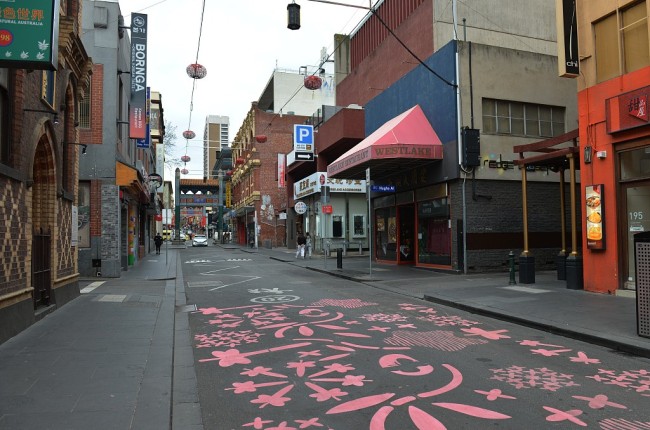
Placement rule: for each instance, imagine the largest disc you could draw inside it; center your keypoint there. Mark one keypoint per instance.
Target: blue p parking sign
(303, 137)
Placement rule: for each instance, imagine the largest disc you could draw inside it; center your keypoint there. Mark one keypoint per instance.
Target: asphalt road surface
(280, 347)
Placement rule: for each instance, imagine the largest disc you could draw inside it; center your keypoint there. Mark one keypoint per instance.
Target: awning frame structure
(554, 158)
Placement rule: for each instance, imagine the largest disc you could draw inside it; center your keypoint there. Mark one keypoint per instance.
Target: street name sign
(383, 188)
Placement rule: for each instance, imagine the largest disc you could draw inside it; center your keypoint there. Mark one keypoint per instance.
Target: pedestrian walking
(300, 249)
(308, 245)
(158, 240)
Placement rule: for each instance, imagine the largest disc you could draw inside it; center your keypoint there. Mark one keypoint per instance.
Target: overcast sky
(241, 43)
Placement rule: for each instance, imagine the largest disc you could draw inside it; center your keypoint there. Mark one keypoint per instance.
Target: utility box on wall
(471, 139)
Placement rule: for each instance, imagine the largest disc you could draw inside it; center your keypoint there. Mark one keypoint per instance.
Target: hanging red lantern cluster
(196, 71)
(185, 158)
(185, 171)
(189, 134)
(313, 82)
(260, 138)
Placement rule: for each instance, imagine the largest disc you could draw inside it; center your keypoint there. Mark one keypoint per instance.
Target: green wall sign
(29, 34)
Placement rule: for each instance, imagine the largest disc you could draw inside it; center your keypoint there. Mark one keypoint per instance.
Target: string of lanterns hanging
(196, 71)
(313, 82)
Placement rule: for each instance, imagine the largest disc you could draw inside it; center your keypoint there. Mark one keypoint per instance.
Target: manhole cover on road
(204, 284)
(281, 298)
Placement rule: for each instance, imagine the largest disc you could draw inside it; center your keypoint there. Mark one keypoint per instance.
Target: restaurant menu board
(595, 217)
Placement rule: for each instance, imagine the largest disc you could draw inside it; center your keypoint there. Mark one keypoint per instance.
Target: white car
(200, 240)
(183, 237)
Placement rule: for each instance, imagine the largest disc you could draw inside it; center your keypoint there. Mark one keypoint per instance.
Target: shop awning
(403, 143)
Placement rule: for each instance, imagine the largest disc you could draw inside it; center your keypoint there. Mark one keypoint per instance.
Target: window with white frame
(522, 119)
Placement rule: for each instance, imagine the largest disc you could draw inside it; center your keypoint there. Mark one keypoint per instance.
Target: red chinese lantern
(196, 71)
(260, 138)
(189, 134)
(240, 161)
(185, 171)
(313, 82)
(185, 158)
(228, 172)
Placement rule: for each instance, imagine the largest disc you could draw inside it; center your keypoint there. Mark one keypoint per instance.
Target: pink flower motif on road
(323, 395)
(549, 353)
(283, 426)
(258, 423)
(537, 343)
(309, 423)
(209, 311)
(276, 399)
(492, 335)
(381, 329)
(357, 381)
(228, 358)
(582, 358)
(494, 394)
(259, 370)
(599, 402)
(559, 415)
(301, 366)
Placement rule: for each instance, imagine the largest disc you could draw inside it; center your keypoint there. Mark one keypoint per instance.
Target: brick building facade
(38, 180)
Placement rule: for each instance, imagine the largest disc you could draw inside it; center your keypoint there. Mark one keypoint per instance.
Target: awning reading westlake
(405, 142)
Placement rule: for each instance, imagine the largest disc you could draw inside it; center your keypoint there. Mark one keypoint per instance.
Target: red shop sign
(327, 209)
(629, 110)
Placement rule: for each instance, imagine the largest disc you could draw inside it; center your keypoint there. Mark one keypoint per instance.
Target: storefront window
(434, 234)
(635, 164)
(386, 234)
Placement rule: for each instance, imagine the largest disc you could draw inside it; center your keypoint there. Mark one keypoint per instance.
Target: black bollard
(511, 257)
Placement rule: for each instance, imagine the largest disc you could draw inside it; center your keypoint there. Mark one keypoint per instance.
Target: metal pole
(369, 222)
(177, 205)
(255, 225)
(220, 207)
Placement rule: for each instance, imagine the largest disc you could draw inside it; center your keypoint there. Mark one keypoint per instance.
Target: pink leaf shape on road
(473, 411)
(362, 403)
(424, 421)
(378, 421)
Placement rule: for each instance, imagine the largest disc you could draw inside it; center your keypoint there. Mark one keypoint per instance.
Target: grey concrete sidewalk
(106, 360)
(606, 320)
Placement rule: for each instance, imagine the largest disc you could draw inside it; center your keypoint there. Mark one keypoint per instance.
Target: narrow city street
(277, 346)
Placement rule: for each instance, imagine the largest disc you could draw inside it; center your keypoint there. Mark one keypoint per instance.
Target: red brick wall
(416, 31)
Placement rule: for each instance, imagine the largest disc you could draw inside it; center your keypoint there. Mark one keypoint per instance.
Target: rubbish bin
(339, 258)
(642, 279)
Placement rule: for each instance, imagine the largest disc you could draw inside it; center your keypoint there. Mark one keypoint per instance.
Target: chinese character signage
(29, 34)
(595, 217)
(137, 109)
(629, 110)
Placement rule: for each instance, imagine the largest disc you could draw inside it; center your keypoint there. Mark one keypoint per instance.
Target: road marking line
(235, 283)
(91, 287)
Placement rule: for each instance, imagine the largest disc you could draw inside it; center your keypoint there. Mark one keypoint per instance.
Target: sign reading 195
(636, 216)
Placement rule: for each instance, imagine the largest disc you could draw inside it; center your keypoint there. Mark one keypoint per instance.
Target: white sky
(242, 42)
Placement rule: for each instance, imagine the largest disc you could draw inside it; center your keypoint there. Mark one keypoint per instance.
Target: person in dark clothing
(301, 241)
(158, 240)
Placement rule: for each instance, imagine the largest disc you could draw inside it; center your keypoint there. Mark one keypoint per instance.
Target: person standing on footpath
(158, 240)
(308, 245)
(301, 241)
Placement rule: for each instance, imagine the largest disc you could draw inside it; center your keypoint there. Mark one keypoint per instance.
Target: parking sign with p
(303, 137)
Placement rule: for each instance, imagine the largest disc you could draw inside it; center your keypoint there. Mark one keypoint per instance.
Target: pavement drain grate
(186, 308)
(527, 290)
(114, 298)
(204, 284)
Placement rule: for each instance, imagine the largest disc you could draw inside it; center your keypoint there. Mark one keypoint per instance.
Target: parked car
(183, 237)
(200, 240)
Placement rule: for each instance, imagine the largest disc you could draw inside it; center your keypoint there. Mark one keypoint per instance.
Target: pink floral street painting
(351, 364)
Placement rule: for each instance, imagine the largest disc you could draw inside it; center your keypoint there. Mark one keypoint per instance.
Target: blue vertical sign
(144, 143)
